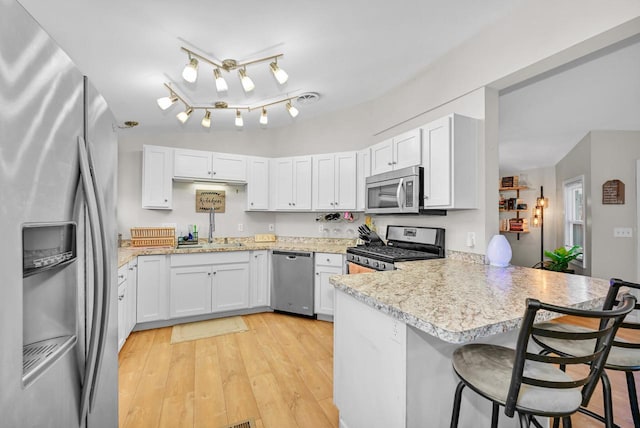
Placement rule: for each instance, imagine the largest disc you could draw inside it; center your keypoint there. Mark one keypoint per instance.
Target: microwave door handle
(399, 191)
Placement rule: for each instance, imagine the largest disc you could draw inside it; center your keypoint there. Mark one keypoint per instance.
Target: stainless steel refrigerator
(58, 311)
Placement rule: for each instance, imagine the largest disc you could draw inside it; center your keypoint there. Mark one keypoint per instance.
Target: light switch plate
(622, 232)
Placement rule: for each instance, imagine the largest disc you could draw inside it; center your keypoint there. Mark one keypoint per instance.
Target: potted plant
(560, 258)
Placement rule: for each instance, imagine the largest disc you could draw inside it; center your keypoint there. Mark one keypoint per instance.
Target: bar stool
(624, 355)
(531, 384)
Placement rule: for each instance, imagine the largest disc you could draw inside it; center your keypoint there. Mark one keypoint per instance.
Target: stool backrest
(627, 325)
(610, 320)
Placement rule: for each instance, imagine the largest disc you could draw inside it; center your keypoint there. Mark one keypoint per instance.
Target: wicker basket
(153, 237)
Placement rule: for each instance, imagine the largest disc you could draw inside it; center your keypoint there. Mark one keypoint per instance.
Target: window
(574, 221)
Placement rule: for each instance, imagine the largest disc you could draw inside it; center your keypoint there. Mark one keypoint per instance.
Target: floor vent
(249, 423)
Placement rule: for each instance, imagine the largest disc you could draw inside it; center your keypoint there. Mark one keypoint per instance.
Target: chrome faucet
(212, 223)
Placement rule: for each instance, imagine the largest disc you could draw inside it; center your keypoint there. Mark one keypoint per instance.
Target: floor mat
(209, 328)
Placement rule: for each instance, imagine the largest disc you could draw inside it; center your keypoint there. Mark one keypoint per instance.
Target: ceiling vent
(308, 98)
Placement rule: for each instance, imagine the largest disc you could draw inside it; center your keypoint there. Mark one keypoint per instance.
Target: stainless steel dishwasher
(293, 282)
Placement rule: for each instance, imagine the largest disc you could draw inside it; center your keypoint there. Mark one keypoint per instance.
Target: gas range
(404, 243)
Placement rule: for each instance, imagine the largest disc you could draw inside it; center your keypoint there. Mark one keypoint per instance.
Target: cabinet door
(257, 184)
(437, 163)
(229, 167)
(132, 293)
(157, 170)
(259, 279)
(283, 183)
(302, 183)
(382, 157)
(324, 182)
(152, 289)
(230, 289)
(192, 164)
(345, 181)
(122, 303)
(190, 291)
(364, 170)
(407, 149)
(324, 290)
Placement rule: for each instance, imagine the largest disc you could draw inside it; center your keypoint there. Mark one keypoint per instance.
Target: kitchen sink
(212, 245)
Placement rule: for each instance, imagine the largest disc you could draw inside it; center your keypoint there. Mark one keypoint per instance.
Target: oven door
(398, 195)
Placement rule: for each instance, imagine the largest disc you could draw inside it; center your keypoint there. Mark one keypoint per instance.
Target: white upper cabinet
(291, 184)
(398, 152)
(210, 166)
(450, 163)
(157, 168)
(363, 171)
(257, 184)
(334, 181)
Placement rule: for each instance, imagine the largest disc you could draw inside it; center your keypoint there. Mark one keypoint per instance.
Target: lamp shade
(499, 251)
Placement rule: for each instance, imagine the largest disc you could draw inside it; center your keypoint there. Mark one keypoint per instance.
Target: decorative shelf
(506, 189)
(512, 211)
(516, 189)
(514, 231)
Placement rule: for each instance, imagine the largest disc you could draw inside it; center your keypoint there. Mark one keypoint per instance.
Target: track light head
(166, 102)
(206, 120)
(263, 117)
(221, 84)
(293, 112)
(247, 83)
(239, 121)
(183, 116)
(280, 75)
(190, 72)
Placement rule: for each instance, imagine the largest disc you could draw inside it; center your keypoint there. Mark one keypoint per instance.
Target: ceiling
(346, 51)
(543, 119)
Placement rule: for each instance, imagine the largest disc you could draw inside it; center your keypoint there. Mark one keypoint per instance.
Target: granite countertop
(316, 245)
(458, 301)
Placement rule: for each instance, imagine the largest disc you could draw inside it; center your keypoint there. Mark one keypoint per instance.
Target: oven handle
(398, 191)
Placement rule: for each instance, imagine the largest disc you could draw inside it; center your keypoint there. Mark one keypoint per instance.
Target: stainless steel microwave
(395, 192)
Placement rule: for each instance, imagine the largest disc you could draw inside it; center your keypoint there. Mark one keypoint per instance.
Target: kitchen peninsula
(395, 331)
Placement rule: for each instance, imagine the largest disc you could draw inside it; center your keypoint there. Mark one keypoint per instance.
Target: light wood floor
(278, 373)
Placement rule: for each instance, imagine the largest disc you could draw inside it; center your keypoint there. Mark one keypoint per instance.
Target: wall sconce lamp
(538, 220)
(190, 72)
(165, 102)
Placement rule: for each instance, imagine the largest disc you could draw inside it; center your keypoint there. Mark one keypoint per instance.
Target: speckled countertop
(316, 245)
(458, 301)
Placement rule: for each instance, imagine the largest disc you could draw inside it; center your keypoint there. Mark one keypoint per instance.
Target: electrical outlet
(240, 227)
(271, 228)
(321, 229)
(471, 239)
(622, 232)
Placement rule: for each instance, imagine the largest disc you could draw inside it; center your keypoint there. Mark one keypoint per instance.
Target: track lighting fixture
(247, 83)
(190, 72)
(293, 112)
(280, 75)
(183, 116)
(263, 117)
(166, 102)
(239, 121)
(221, 84)
(206, 120)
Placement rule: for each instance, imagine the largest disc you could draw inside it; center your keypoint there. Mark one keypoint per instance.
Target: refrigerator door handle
(98, 271)
(106, 280)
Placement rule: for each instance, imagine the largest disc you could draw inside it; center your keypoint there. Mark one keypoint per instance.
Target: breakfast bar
(395, 332)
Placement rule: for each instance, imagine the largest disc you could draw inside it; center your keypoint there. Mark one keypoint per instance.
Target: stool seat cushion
(618, 359)
(487, 370)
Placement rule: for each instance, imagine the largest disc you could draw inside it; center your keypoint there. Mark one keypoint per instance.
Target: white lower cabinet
(259, 279)
(190, 291)
(132, 296)
(326, 265)
(208, 282)
(153, 293)
(122, 295)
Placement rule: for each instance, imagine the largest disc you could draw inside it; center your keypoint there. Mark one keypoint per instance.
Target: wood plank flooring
(279, 373)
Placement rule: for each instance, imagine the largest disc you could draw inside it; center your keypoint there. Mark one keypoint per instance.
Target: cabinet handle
(120, 297)
(389, 163)
(293, 203)
(214, 173)
(209, 172)
(328, 260)
(251, 203)
(166, 200)
(317, 273)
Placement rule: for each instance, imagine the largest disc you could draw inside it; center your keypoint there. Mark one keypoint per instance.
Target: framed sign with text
(613, 192)
(206, 199)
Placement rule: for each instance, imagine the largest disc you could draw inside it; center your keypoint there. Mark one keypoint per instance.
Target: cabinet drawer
(329, 259)
(209, 258)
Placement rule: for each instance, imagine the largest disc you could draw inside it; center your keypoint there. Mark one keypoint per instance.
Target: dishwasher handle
(292, 255)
